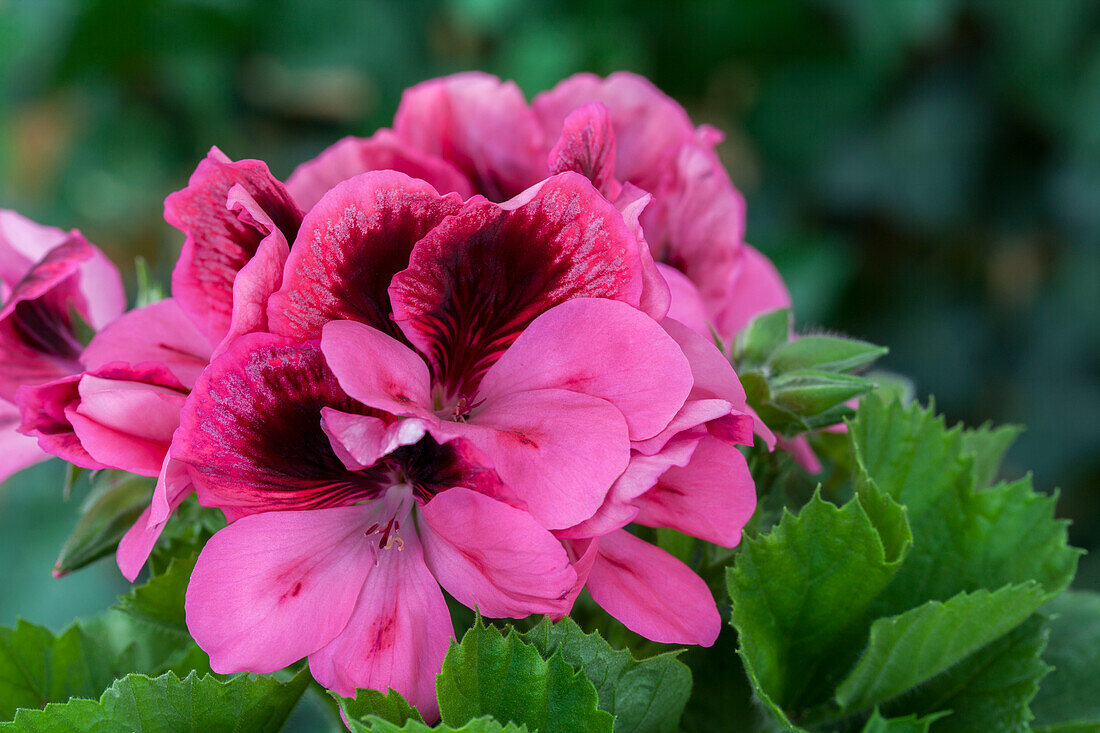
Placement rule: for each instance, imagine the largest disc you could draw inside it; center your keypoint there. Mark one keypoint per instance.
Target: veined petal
(480, 124)
(494, 557)
(646, 122)
(158, 333)
(397, 635)
(251, 430)
(272, 588)
(383, 150)
(220, 240)
(587, 146)
(558, 451)
(481, 276)
(601, 348)
(652, 592)
(349, 248)
(22, 243)
(711, 498)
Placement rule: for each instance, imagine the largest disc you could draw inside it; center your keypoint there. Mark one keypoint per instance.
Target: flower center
(393, 508)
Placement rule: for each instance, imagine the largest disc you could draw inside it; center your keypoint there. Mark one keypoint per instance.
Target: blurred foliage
(926, 173)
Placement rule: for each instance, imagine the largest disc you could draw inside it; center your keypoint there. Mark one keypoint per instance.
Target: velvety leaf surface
(647, 695)
(908, 724)
(390, 707)
(115, 502)
(1069, 698)
(800, 593)
(503, 676)
(140, 704)
(913, 647)
(965, 538)
(989, 690)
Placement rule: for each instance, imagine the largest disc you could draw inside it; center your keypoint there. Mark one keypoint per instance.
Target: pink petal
(601, 348)
(656, 296)
(687, 305)
(173, 486)
(558, 451)
(350, 246)
(126, 415)
(272, 588)
(159, 333)
(16, 451)
(803, 454)
(697, 223)
(711, 498)
(22, 243)
(480, 124)
(480, 277)
(219, 240)
(360, 441)
(494, 557)
(758, 288)
(713, 375)
(381, 151)
(652, 593)
(646, 122)
(587, 146)
(377, 370)
(38, 341)
(44, 409)
(397, 635)
(251, 430)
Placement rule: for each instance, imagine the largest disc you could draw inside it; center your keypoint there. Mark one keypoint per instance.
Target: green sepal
(115, 502)
(824, 353)
(763, 335)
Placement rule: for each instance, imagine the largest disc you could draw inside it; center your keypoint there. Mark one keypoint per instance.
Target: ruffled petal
(251, 430)
(481, 276)
(652, 593)
(587, 146)
(383, 150)
(494, 557)
(480, 124)
(351, 244)
(220, 241)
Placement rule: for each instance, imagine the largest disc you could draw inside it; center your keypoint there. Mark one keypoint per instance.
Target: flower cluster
(463, 354)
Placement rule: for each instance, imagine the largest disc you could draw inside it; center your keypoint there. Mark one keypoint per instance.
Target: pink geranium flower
(47, 277)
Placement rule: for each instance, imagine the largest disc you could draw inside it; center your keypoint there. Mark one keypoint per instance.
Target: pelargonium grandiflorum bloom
(47, 279)
(467, 353)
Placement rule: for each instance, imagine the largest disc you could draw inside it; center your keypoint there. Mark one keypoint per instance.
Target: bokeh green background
(926, 173)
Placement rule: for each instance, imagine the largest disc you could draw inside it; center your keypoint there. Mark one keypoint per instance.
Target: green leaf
(991, 689)
(913, 647)
(800, 594)
(826, 353)
(647, 695)
(140, 704)
(987, 446)
(814, 394)
(484, 724)
(1069, 698)
(391, 707)
(160, 601)
(490, 673)
(964, 538)
(908, 724)
(116, 501)
(760, 338)
(37, 667)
